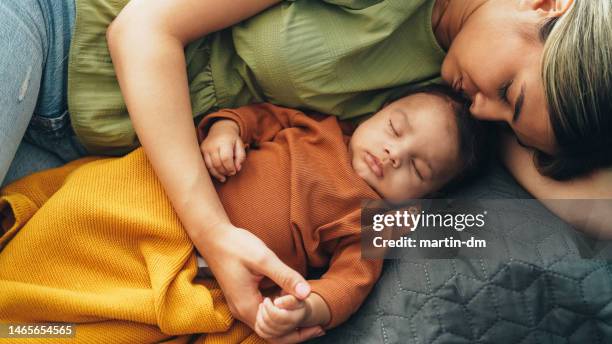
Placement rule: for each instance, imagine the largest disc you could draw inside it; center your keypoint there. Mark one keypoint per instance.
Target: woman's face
(495, 59)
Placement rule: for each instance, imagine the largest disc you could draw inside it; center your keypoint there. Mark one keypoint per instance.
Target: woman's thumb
(288, 279)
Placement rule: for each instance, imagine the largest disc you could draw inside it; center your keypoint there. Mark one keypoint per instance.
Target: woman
(495, 52)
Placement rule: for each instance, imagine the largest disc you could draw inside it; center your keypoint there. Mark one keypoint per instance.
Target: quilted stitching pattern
(542, 292)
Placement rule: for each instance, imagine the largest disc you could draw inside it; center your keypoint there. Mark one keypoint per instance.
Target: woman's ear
(549, 8)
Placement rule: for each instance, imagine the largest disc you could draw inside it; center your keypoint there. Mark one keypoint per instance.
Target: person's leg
(49, 127)
(30, 158)
(49, 135)
(23, 38)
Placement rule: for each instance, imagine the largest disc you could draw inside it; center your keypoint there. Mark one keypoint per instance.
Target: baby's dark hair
(472, 134)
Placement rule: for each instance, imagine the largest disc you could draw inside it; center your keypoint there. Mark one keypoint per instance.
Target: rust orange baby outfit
(298, 192)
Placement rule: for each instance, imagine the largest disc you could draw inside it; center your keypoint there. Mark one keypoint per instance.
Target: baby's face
(409, 148)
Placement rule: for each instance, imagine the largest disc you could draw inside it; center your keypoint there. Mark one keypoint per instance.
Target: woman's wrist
(208, 235)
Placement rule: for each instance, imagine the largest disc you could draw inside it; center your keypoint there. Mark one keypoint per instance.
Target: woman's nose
(487, 109)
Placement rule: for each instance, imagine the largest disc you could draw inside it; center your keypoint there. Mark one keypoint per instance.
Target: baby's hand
(281, 317)
(223, 150)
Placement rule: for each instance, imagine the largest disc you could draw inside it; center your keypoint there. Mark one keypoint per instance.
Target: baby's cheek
(401, 186)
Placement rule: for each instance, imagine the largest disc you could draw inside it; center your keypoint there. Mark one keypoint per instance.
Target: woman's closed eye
(502, 92)
(522, 144)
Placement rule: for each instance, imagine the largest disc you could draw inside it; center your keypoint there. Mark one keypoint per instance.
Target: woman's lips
(374, 164)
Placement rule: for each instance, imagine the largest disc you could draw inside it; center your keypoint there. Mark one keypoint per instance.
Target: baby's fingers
(282, 318)
(264, 326)
(288, 302)
(226, 155)
(261, 328)
(239, 154)
(211, 168)
(215, 157)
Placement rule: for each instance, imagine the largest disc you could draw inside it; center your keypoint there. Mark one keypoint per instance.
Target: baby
(128, 269)
(300, 190)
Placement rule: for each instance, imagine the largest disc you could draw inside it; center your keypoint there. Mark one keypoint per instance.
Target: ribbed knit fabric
(97, 242)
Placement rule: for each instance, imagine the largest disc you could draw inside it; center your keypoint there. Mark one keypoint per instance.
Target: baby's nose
(393, 159)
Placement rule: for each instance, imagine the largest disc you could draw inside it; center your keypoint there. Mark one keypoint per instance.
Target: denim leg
(23, 38)
(50, 127)
(40, 30)
(59, 18)
(29, 159)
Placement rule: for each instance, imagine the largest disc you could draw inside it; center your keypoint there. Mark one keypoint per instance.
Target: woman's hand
(239, 261)
(223, 150)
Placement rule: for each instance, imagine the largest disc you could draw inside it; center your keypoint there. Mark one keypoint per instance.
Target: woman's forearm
(147, 42)
(151, 72)
(584, 202)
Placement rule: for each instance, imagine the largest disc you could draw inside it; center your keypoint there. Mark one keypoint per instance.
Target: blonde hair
(577, 76)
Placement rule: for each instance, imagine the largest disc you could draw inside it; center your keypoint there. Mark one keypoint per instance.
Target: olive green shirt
(340, 57)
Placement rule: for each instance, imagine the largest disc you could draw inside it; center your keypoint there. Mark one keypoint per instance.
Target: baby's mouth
(374, 164)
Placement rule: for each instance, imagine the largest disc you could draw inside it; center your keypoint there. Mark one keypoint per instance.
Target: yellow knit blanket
(96, 243)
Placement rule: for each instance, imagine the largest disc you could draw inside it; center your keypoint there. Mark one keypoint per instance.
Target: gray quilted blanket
(540, 291)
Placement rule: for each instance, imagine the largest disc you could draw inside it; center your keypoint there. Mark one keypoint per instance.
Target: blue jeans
(35, 131)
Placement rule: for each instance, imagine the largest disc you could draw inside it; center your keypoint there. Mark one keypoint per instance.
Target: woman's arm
(147, 42)
(589, 198)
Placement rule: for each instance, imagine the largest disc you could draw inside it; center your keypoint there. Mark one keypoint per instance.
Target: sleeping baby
(97, 243)
(302, 185)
